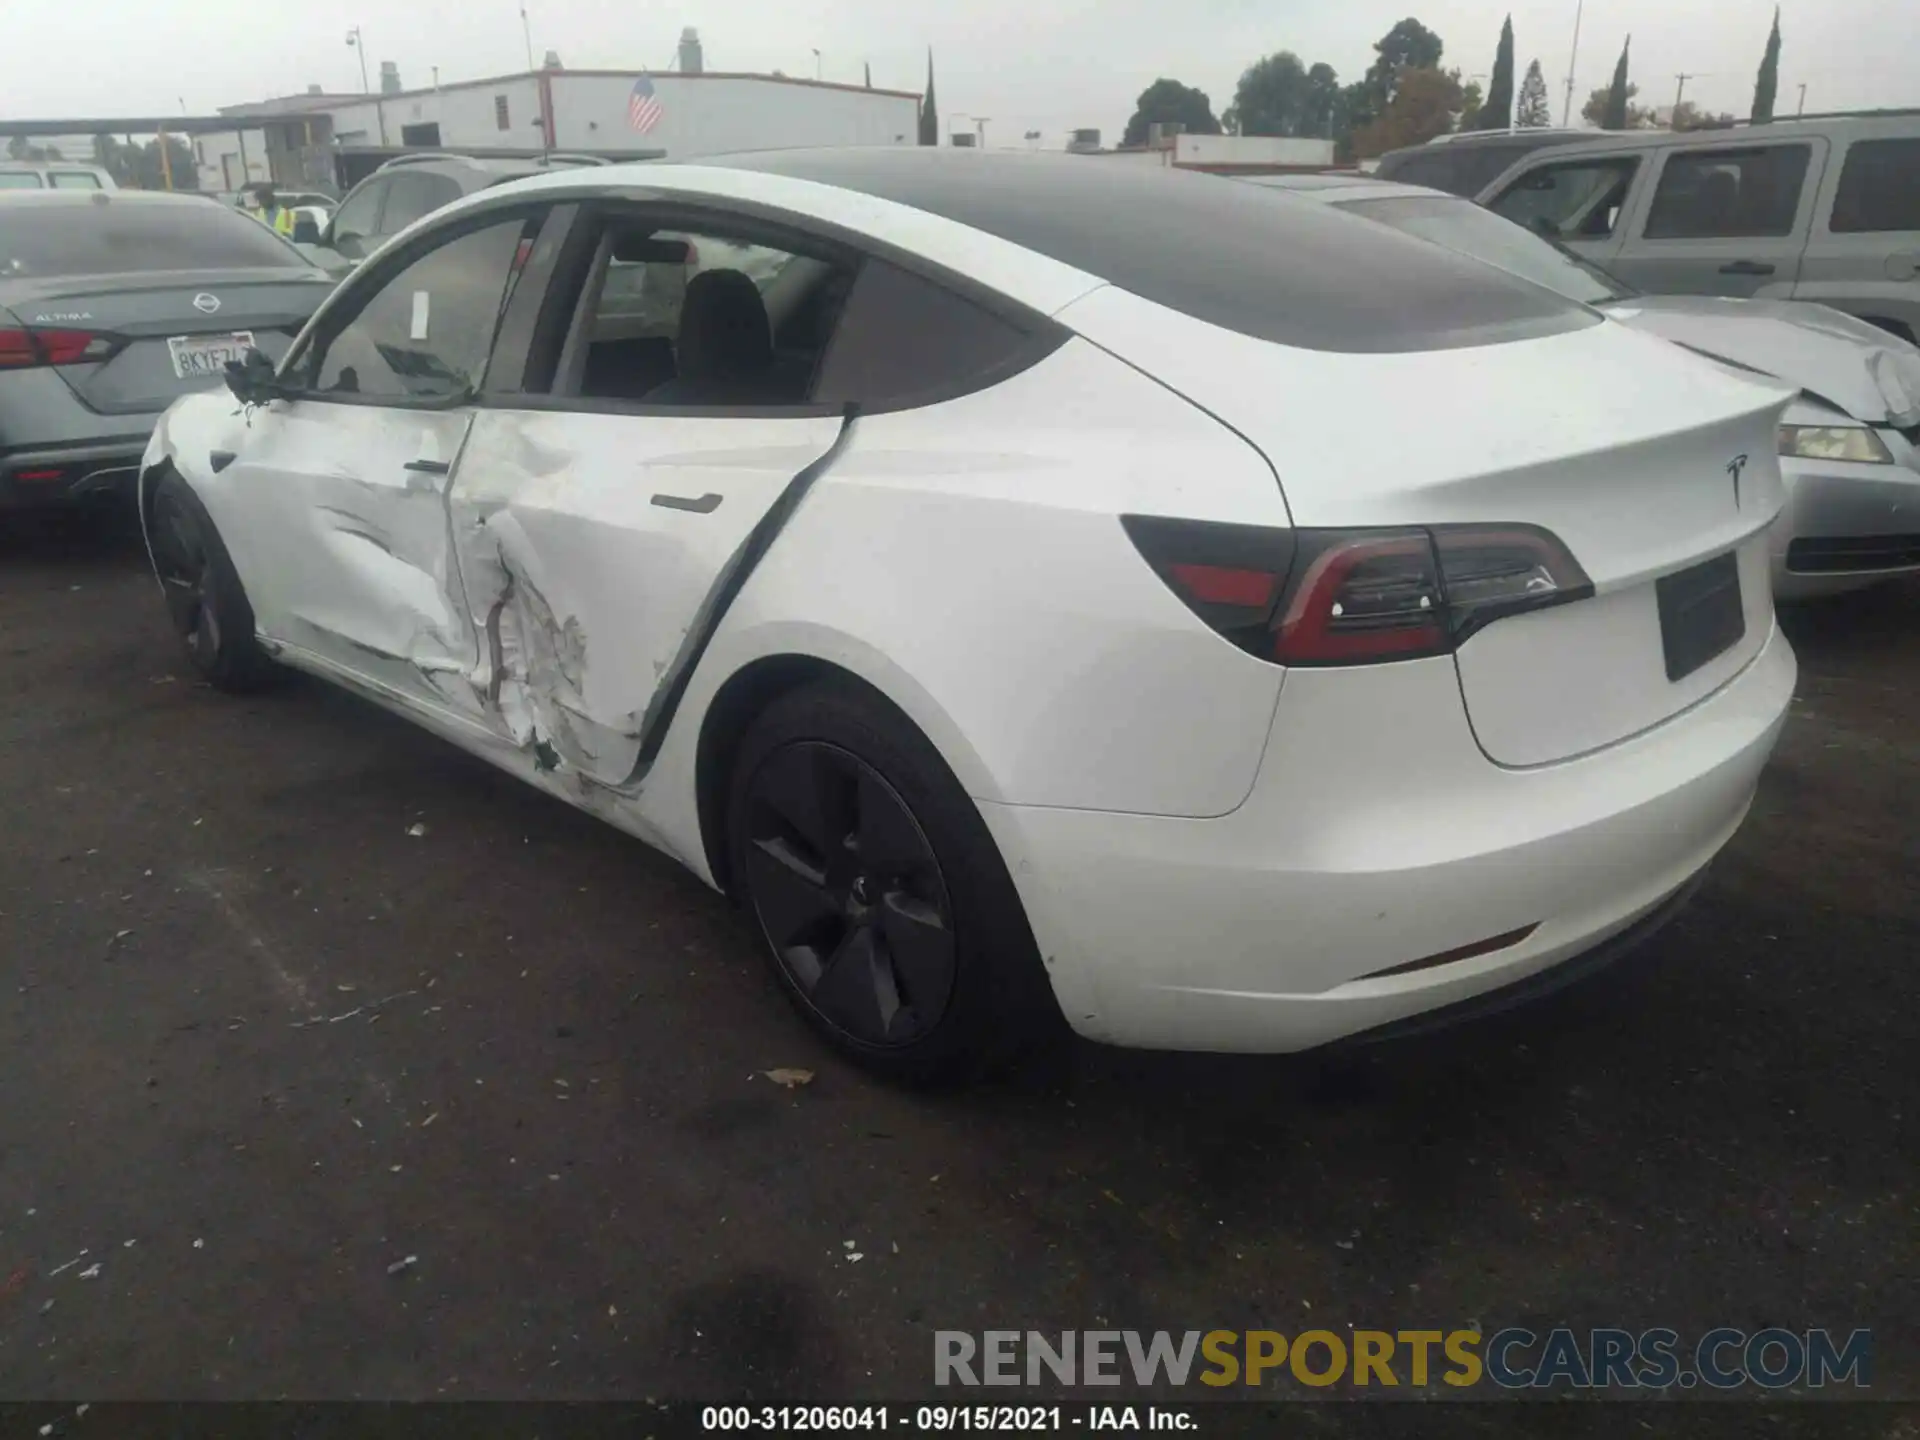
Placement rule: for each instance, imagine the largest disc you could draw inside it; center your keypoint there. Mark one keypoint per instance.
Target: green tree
(1768, 84)
(21, 148)
(1688, 116)
(1281, 96)
(1169, 102)
(1471, 104)
(929, 115)
(1594, 112)
(1408, 45)
(1425, 103)
(1616, 116)
(1497, 112)
(1536, 111)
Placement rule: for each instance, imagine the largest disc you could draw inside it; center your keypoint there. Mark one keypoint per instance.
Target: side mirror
(305, 232)
(252, 380)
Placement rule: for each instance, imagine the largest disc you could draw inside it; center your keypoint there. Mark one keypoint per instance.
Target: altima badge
(206, 304)
(1734, 467)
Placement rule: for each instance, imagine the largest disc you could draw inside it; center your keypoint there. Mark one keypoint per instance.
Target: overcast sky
(1046, 65)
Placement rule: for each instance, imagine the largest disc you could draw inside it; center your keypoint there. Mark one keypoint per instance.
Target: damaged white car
(1032, 589)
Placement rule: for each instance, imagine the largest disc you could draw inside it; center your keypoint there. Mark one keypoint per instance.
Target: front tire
(879, 896)
(205, 601)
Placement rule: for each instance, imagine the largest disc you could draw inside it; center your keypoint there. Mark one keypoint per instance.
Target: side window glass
(412, 196)
(74, 180)
(677, 318)
(426, 332)
(903, 340)
(361, 211)
(1879, 188)
(1576, 200)
(1711, 194)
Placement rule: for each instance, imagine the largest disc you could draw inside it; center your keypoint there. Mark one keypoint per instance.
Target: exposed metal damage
(591, 700)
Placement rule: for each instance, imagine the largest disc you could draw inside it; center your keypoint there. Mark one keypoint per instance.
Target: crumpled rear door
(596, 550)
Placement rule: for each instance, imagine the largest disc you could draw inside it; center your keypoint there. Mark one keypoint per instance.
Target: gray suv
(1462, 164)
(1824, 209)
(405, 189)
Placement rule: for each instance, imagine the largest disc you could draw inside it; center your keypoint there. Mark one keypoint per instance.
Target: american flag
(643, 106)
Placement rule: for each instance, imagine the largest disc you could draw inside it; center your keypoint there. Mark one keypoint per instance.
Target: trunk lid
(1643, 460)
(144, 312)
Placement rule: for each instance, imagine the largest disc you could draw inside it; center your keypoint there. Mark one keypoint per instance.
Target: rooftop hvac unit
(691, 60)
(1084, 142)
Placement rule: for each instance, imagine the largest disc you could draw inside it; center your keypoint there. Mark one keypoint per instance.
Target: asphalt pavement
(335, 1063)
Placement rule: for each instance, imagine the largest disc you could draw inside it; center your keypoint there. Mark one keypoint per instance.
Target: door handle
(429, 467)
(1746, 267)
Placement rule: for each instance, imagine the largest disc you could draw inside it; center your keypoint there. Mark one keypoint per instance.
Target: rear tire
(877, 892)
(205, 602)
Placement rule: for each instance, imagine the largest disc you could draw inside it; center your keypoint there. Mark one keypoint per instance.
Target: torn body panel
(589, 585)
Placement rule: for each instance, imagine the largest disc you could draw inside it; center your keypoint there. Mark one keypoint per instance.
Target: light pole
(526, 33)
(1566, 112)
(816, 64)
(1678, 91)
(1803, 101)
(359, 43)
(355, 43)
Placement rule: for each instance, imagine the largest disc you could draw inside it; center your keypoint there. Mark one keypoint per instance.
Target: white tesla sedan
(1033, 588)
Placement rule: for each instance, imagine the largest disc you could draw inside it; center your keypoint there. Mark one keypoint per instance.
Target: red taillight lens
(1364, 596)
(1355, 597)
(23, 349)
(17, 350)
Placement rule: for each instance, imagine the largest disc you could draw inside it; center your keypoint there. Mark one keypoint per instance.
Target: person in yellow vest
(270, 212)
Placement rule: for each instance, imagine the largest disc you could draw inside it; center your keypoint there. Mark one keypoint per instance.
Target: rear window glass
(112, 237)
(1713, 194)
(1879, 188)
(1243, 257)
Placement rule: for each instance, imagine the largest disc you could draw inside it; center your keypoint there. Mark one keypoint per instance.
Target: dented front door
(346, 548)
(595, 550)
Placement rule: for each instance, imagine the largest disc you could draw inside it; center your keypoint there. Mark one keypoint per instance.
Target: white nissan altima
(1033, 588)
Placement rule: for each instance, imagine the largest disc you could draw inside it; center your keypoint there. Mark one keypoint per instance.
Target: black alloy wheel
(849, 893)
(180, 556)
(205, 601)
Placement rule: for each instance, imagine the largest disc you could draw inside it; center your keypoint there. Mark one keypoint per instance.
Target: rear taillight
(24, 349)
(1356, 597)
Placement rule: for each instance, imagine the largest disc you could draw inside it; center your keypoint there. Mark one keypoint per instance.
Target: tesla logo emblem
(1734, 467)
(206, 304)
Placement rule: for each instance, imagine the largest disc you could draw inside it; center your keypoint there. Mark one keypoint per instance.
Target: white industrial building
(331, 141)
(1217, 154)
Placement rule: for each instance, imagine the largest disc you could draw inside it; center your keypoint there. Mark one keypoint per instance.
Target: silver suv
(1822, 208)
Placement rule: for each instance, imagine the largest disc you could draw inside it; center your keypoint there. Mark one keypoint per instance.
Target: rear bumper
(1378, 836)
(1847, 525)
(54, 476)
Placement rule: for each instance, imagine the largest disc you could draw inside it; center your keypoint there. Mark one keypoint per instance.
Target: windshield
(1463, 226)
(112, 237)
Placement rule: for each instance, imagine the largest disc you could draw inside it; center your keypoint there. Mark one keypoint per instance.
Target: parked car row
(1825, 209)
(762, 508)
